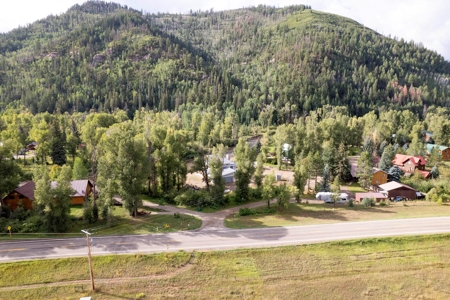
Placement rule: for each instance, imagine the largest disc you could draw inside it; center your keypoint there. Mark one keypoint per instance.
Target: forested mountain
(265, 64)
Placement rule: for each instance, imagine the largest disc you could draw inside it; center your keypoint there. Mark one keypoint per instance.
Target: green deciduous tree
(259, 170)
(325, 184)
(300, 178)
(269, 189)
(79, 170)
(245, 157)
(125, 162)
(54, 199)
(283, 196)
(364, 171)
(216, 168)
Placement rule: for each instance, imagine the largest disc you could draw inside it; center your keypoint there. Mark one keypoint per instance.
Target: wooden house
(409, 163)
(25, 194)
(443, 150)
(379, 177)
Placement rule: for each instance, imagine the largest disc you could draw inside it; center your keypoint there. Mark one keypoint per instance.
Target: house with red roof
(25, 193)
(409, 163)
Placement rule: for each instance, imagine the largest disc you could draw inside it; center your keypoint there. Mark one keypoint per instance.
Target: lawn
(306, 214)
(355, 188)
(387, 268)
(121, 224)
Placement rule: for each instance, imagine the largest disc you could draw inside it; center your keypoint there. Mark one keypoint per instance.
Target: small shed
(377, 196)
(394, 189)
(228, 175)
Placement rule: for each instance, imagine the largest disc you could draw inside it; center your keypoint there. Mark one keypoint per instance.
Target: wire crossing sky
(425, 22)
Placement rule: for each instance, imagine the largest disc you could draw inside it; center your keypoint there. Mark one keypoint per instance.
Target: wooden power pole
(89, 257)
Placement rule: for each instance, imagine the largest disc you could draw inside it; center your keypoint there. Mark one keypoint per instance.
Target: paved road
(215, 239)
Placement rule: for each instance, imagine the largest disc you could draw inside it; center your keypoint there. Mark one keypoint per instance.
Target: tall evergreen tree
(395, 174)
(343, 167)
(434, 172)
(386, 158)
(57, 144)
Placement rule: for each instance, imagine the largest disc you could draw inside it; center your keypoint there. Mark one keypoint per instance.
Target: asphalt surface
(218, 239)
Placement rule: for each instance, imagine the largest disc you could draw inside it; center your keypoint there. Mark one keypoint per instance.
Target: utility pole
(89, 257)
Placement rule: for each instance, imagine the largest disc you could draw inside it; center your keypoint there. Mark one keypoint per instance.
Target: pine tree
(386, 159)
(343, 167)
(57, 144)
(368, 145)
(434, 172)
(395, 174)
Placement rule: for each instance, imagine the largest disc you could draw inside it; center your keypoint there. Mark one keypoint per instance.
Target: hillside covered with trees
(260, 65)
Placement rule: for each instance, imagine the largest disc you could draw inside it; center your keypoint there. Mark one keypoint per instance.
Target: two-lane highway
(220, 239)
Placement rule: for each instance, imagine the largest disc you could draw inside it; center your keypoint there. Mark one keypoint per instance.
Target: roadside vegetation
(392, 268)
(120, 223)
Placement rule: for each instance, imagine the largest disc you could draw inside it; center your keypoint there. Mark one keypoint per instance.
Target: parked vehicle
(328, 198)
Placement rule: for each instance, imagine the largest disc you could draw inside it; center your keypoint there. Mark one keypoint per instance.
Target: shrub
(368, 202)
(32, 224)
(245, 211)
(88, 214)
(382, 203)
(193, 199)
(350, 203)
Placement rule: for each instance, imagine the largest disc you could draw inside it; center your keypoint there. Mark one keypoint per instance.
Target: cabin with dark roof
(25, 193)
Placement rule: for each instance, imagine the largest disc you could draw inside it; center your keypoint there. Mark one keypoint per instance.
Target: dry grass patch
(387, 268)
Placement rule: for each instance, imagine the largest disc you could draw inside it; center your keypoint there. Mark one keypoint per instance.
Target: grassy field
(355, 188)
(388, 268)
(306, 214)
(121, 223)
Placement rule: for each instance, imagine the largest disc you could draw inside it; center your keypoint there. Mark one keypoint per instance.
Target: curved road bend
(220, 238)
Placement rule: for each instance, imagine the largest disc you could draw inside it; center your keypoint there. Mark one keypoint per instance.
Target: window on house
(21, 196)
(11, 197)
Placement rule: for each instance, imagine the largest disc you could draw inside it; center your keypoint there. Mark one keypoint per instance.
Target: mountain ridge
(104, 56)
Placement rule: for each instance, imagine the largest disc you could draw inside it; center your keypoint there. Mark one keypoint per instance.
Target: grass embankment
(387, 268)
(121, 223)
(307, 214)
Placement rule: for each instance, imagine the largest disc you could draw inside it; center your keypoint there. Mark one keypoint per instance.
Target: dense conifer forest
(262, 64)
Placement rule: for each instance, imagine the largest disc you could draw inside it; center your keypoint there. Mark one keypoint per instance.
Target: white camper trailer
(327, 197)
